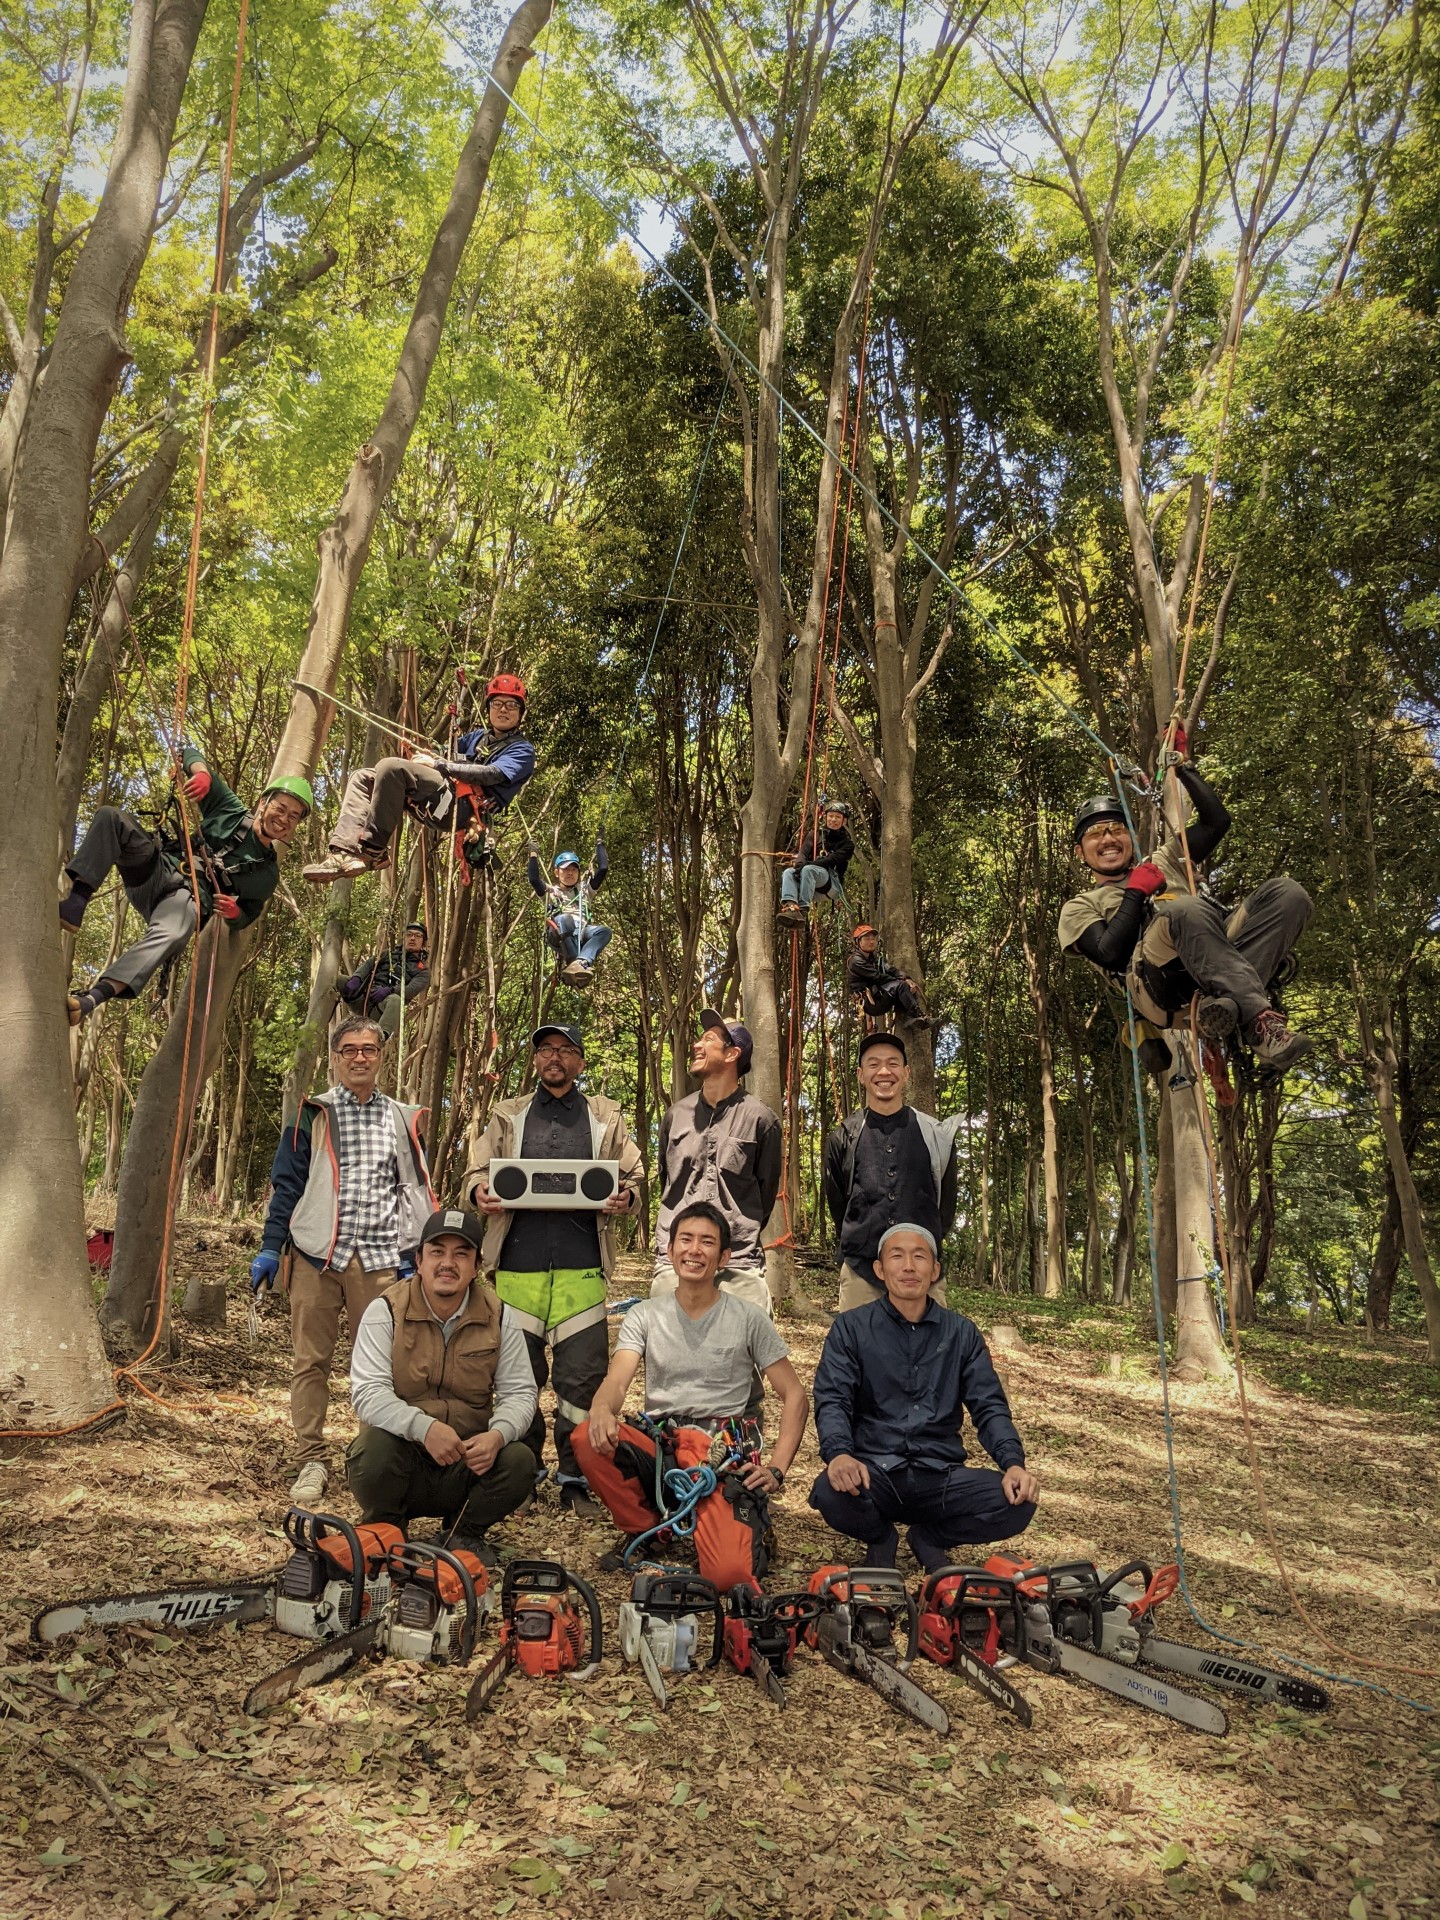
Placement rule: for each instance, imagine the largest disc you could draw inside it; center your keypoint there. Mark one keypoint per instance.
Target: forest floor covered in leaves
(131, 1784)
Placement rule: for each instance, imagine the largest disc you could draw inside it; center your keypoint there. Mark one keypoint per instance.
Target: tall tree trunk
(55, 1369)
(1380, 1071)
(1199, 1345)
(343, 548)
(1034, 938)
(1385, 1267)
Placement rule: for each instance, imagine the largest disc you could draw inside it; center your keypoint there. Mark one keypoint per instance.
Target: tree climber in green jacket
(237, 868)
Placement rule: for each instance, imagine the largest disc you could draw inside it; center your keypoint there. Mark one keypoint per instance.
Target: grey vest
(717, 1163)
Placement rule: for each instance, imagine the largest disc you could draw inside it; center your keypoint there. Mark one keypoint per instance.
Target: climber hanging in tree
(458, 796)
(1142, 922)
(397, 975)
(820, 865)
(236, 871)
(882, 989)
(574, 936)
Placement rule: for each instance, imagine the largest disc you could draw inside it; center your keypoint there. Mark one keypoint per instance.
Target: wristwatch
(779, 1475)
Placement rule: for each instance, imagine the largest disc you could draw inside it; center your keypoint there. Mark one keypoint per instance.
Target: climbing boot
(577, 974)
(790, 913)
(341, 864)
(309, 1484)
(576, 1498)
(1272, 1042)
(1216, 1014)
(476, 1543)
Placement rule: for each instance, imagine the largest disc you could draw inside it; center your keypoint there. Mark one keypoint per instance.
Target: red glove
(198, 785)
(228, 907)
(1146, 878)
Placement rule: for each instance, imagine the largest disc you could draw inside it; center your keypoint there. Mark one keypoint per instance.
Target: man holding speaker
(551, 1260)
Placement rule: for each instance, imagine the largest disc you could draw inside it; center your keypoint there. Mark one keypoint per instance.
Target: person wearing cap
(236, 868)
(722, 1145)
(1150, 925)
(882, 989)
(350, 1193)
(885, 1163)
(395, 977)
(569, 931)
(550, 1265)
(458, 796)
(700, 1349)
(820, 865)
(443, 1389)
(895, 1381)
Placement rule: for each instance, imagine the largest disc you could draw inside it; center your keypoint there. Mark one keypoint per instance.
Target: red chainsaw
(542, 1629)
(970, 1620)
(335, 1575)
(761, 1631)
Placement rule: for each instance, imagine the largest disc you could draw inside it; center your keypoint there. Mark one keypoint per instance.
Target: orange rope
(130, 1373)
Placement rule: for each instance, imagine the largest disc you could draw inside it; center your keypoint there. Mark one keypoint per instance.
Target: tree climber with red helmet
(452, 796)
(883, 989)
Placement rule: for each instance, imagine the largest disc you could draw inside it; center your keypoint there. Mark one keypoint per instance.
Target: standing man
(550, 1266)
(895, 1381)
(395, 977)
(237, 868)
(442, 1387)
(885, 1163)
(722, 1145)
(452, 796)
(351, 1194)
(820, 865)
(699, 1349)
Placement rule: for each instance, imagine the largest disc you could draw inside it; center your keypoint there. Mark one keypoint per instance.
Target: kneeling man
(895, 1381)
(700, 1348)
(442, 1385)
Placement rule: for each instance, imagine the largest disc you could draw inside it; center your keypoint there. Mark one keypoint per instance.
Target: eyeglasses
(358, 1053)
(558, 1052)
(1114, 829)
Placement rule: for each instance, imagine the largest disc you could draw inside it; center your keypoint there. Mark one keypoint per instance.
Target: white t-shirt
(702, 1367)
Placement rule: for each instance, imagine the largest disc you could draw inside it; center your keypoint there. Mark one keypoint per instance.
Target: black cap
(877, 1038)
(454, 1220)
(572, 1034)
(737, 1035)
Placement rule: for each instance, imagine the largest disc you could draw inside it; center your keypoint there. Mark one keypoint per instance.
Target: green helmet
(296, 785)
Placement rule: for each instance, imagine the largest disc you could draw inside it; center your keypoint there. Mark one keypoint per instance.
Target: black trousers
(1238, 954)
(943, 1507)
(396, 1480)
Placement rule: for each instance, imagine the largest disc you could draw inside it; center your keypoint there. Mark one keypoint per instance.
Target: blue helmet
(566, 860)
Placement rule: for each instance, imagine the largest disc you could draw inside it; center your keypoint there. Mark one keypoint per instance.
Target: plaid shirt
(368, 1229)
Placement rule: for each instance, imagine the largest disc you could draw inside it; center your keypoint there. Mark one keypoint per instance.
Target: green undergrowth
(1335, 1365)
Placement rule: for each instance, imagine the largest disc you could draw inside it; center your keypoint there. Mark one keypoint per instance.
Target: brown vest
(454, 1383)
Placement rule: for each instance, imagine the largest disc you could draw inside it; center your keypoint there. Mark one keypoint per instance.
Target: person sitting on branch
(820, 865)
(895, 1381)
(699, 1347)
(441, 1383)
(452, 796)
(1149, 924)
(569, 930)
(237, 868)
(883, 990)
(397, 976)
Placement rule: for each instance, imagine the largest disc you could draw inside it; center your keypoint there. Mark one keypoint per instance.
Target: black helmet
(832, 804)
(1105, 806)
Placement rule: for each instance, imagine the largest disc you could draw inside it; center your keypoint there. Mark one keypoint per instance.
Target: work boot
(576, 1498)
(881, 1553)
(1272, 1042)
(613, 1561)
(790, 913)
(576, 974)
(309, 1485)
(1216, 1014)
(476, 1543)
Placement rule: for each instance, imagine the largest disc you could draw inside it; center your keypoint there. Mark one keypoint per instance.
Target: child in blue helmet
(576, 938)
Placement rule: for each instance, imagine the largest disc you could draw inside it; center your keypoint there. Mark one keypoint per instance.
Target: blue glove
(263, 1269)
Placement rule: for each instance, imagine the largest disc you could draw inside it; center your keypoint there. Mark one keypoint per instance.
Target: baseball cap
(737, 1035)
(454, 1220)
(879, 1039)
(572, 1034)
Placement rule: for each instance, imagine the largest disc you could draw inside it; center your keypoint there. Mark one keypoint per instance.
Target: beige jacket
(500, 1140)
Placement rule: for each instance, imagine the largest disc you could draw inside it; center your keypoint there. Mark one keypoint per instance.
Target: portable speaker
(559, 1185)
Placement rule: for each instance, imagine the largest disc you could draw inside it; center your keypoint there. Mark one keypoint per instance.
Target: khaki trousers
(316, 1297)
(746, 1283)
(856, 1291)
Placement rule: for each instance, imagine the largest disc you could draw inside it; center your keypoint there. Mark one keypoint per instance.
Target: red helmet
(864, 927)
(506, 683)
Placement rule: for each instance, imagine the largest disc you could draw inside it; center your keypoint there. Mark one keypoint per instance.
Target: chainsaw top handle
(419, 1561)
(305, 1530)
(531, 1576)
(597, 1630)
(1159, 1585)
(672, 1594)
(880, 1587)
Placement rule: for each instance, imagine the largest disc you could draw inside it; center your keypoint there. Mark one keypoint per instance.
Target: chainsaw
(660, 1626)
(436, 1603)
(862, 1608)
(761, 1630)
(1062, 1626)
(970, 1620)
(335, 1576)
(1126, 1601)
(542, 1629)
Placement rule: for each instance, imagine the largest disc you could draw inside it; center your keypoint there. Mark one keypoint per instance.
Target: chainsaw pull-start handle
(305, 1530)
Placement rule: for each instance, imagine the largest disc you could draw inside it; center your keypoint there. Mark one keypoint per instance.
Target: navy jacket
(500, 763)
(894, 1393)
